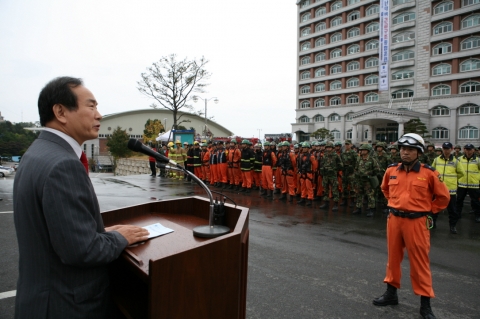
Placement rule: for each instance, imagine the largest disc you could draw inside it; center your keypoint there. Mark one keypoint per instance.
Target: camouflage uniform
(429, 155)
(349, 159)
(383, 161)
(330, 166)
(457, 151)
(364, 169)
(394, 158)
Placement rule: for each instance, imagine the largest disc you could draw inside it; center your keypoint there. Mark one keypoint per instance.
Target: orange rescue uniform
(412, 192)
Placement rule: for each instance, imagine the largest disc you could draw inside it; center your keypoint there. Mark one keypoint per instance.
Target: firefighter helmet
(170, 144)
(267, 143)
(412, 140)
(246, 142)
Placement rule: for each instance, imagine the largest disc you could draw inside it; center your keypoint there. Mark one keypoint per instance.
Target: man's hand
(133, 234)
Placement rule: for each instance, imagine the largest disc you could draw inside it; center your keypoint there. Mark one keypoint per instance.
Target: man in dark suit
(63, 245)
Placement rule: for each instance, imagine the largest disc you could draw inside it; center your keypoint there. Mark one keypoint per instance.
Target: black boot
(248, 191)
(225, 186)
(335, 206)
(283, 197)
(244, 189)
(309, 203)
(231, 186)
(290, 199)
(277, 191)
(263, 192)
(298, 195)
(344, 202)
(357, 211)
(317, 198)
(237, 188)
(269, 194)
(453, 229)
(370, 212)
(388, 298)
(425, 309)
(324, 205)
(301, 201)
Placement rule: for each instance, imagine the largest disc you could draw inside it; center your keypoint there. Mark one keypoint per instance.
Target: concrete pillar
(400, 129)
(453, 126)
(342, 128)
(354, 133)
(370, 133)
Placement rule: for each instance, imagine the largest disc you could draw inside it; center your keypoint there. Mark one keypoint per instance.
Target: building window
(336, 22)
(334, 118)
(372, 27)
(320, 103)
(304, 119)
(335, 85)
(353, 49)
(318, 118)
(354, 16)
(336, 5)
(471, 21)
(442, 69)
(336, 37)
(443, 27)
(402, 37)
(320, 57)
(335, 53)
(371, 63)
(305, 75)
(354, 65)
(305, 32)
(336, 134)
(353, 32)
(471, 43)
(468, 132)
(320, 87)
(335, 101)
(350, 2)
(402, 75)
(352, 99)
(371, 80)
(402, 94)
(469, 2)
(305, 3)
(305, 60)
(440, 111)
(470, 65)
(440, 133)
(305, 46)
(349, 134)
(441, 90)
(336, 69)
(365, 134)
(371, 97)
(469, 109)
(443, 7)
(404, 17)
(442, 48)
(321, 26)
(373, 9)
(306, 17)
(399, 2)
(305, 105)
(320, 72)
(470, 87)
(319, 42)
(353, 82)
(402, 56)
(320, 11)
(349, 117)
(305, 89)
(372, 45)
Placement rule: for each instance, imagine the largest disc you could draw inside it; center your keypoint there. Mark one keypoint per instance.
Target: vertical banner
(384, 44)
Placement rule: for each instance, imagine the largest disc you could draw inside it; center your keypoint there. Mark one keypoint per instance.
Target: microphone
(137, 146)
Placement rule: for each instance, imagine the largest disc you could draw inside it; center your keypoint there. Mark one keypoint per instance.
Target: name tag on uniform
(393, 177)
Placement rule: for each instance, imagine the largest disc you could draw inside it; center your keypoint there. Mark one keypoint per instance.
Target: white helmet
(412, 140)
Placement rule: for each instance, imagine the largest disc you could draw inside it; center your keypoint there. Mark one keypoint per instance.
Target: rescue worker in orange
(413, 191)
(277, 174)
(233, 161)
(298, 153)
(221, 166)
(213, 165)
(307, 165)
(257, 167)
(269, 160)
(286, 163)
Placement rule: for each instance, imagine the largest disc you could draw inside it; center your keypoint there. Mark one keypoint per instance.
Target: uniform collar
(415, 167)
(450, 158)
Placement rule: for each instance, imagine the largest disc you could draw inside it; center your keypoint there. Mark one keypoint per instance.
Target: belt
(411, 215)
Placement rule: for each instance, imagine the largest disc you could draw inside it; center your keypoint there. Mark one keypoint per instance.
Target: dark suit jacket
(64, 249)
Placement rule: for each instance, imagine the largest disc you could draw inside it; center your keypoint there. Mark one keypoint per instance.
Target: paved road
(303, 262)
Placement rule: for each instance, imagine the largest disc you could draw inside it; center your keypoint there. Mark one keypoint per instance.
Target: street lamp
(195, 99)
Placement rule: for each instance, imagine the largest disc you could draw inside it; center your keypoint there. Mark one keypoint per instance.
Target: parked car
(5, 172)
(15, 166)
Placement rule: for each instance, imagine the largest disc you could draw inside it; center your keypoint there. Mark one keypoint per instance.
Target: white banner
(384, 44)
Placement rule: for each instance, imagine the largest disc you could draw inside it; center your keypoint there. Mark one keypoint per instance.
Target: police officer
(366, 172)
(407, 221)
(330, 166)
(469, 183)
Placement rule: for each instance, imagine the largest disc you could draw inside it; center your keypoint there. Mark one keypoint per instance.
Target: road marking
(11, 212)
(8, 294)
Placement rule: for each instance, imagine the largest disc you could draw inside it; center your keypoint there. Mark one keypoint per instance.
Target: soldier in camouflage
(383, 160)
(394, 154)
(349, 158)
(429, 155)
(457, 151)
(366, 168)
(330, 166)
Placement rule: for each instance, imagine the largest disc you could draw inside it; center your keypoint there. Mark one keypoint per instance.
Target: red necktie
(83, 159)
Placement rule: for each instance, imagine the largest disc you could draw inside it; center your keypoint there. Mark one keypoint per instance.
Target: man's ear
(59, 111)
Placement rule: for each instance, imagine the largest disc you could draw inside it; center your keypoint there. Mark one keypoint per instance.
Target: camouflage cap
(338, 143)
(306, 144)
(329, 144)
(367, 147)
(457, 146)
(348, 142)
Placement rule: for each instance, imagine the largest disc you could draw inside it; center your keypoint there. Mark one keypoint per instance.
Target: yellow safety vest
(471, 166)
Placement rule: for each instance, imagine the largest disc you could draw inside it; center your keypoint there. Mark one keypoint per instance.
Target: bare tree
(170, 82)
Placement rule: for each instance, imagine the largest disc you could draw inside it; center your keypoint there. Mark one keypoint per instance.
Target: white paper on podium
(157, 229)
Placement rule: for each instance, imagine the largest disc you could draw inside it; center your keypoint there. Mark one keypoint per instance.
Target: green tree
(418, 127)
(170, 82)
(322, 134)
(151, 131)
(117, 145)
(15, 139)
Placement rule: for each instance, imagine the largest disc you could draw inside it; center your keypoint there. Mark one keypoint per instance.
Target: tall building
(367, 67)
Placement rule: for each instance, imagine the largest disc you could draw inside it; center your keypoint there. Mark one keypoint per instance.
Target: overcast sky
(251, 46)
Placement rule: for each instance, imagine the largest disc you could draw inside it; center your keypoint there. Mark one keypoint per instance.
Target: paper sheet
(157, 229)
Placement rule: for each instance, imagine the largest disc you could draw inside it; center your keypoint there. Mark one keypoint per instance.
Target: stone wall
(128, 166)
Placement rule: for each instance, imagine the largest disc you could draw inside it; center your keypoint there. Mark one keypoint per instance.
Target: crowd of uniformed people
(325, 171)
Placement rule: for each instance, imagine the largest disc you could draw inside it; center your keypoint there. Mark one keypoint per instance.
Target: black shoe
(231, 186)
(283, 197)
(248, 191)
(277, 191)
(324, 205)
(244, 189)
(388, 298)
(298, 195)
(370, 212)
(263, 192)
(301, 201)
(309, 203)
(357, 211)
(317, 198)
(343, 203)
(425, 309)
(335, 207)
(290, 199)
(453, 230)
(269, 194)
(477, 219)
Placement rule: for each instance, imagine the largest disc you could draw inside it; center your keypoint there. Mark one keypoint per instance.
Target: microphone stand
(210, 230)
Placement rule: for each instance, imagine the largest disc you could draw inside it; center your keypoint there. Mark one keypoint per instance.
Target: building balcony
(449, 14)
(455, 76)
(401, 45)
(456, 55)
(405, 25)
(402, 64)
(403, 82)
(403, 6)
(454, 34)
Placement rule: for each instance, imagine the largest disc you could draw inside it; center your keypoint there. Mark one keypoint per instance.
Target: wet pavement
(303, 262)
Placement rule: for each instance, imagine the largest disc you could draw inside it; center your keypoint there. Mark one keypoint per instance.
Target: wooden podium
(178, 275)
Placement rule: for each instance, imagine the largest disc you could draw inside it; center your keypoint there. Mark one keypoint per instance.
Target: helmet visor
(408, 140)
